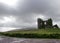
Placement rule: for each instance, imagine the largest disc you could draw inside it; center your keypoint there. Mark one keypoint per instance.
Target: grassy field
(35, 33)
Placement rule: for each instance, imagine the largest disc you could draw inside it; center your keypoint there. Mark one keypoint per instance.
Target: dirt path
(24, 40)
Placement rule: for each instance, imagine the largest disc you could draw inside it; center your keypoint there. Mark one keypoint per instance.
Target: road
(26, 40)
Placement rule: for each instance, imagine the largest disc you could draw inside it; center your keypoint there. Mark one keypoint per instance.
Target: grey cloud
(48, 8)
(25, 12)
(6, 10)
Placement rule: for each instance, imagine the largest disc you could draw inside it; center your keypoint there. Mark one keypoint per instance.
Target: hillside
(35, 33)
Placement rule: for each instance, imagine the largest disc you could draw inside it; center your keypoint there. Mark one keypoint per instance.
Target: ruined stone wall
(45, 24)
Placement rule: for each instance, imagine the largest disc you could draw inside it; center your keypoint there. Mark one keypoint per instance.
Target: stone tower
(40, 23)
(49, 23)
(44, 24)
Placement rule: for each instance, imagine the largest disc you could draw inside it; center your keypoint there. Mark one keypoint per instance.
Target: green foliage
(39, 33)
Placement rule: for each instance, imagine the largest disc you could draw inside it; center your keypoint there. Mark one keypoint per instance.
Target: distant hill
(29, 28)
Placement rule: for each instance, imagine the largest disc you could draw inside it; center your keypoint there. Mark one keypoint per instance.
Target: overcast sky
(24, 13)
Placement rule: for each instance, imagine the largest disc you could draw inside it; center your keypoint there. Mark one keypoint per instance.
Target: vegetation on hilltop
(37, 33)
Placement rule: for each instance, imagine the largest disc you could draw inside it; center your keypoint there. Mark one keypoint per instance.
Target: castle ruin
(46, 24)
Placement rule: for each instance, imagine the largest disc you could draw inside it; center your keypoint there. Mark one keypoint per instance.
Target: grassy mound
(39, 33)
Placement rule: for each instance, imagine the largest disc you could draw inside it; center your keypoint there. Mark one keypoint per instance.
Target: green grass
(37, 33)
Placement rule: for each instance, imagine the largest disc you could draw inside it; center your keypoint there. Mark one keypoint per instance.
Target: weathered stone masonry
(46, 24)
